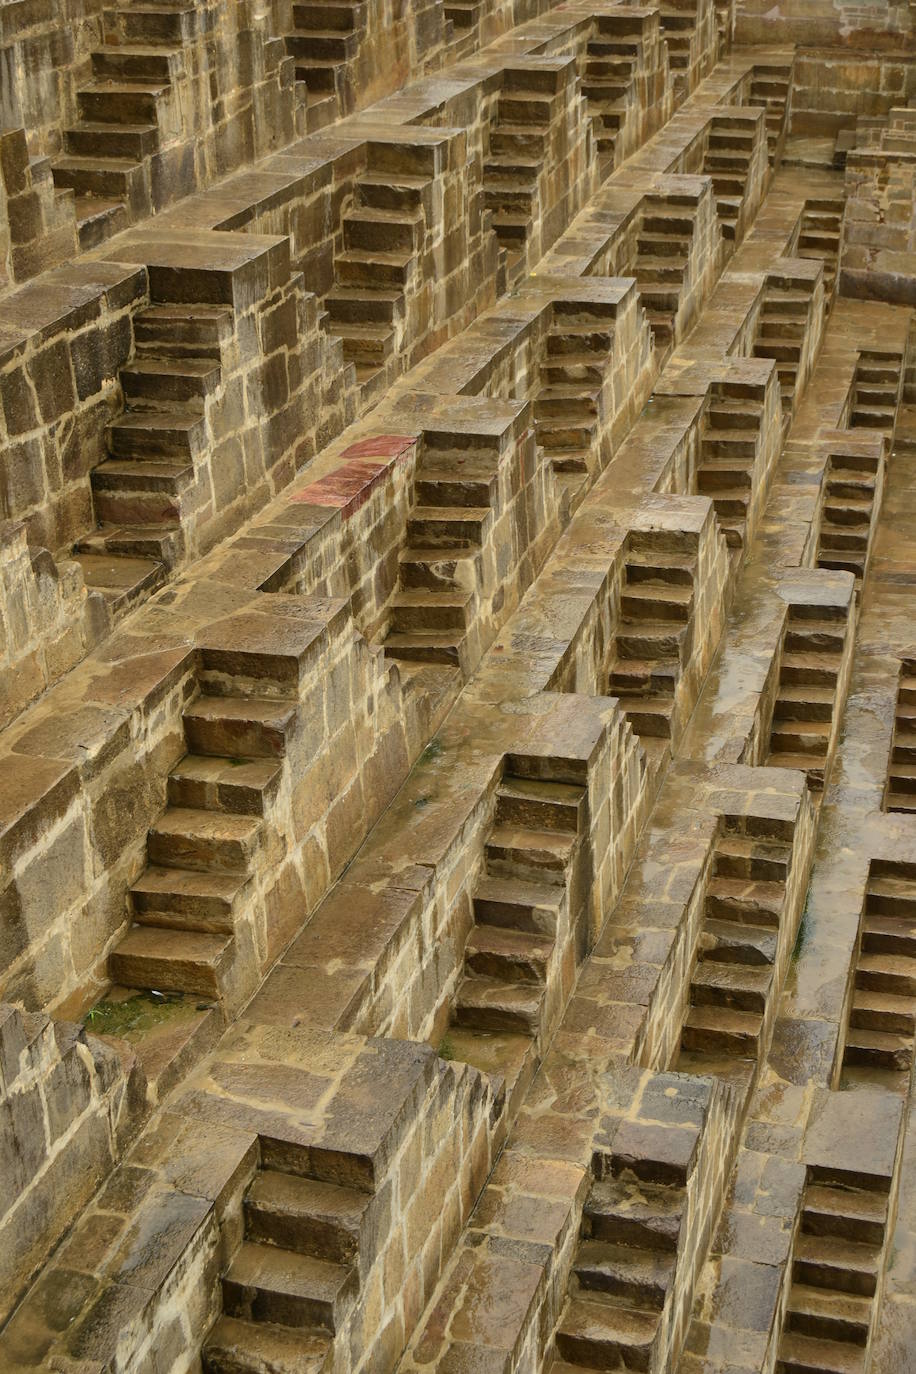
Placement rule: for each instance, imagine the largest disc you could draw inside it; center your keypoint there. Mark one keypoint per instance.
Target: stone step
(456, 488)
(540, 805)
(881, 972)
(887, 895)
(392, 231)
(643, 600)
(647, 715)
(881, 1050)
(155, 435)
(140, 493)
(167, 381)
(818, 1313)
(747, 856)
(435, 569)
(802, 737)
(135, 541)
(238, 727)
(327, 44)
(307, 1215)
(889, 935)
(115, 178)
(633, 1212)
(603, 1336)
(240, 786)
(646, 640)
(448, 526)
(123, 102)
(858, 1214)
(268, 1284)
(427, 647)
(722, 1030)
(804, 702)
(517, 904)
(204, 841)
(732, 942)
(638, 1278)
(437, 612)
(730, 985)
(122, 581)
(374, 267)
(512, 956)
(182, 330)
(652, 679)
(846, 1266)
(172, 960)
(97, 219)
(802, 666)
(542, 855)
(883, 1011)
(401, 191)
(181, 899)
(354, 306)
(234, 1346)
(492, 1004)
(803, 1354)
(748, 901)
(169, 24)
(340, 16)
(97, 139)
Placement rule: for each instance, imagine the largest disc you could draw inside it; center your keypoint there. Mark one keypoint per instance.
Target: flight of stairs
(623, 1270)
(728, 449)
(323, 42)
(728, 156)
(770, 88)
(662, 254)
(293, 1280)
(836, 1264)
(611, 63)
(882, 1016)
(383, 233)
(876, 390)
(810, 659)
(781, 328)
(847, 511)
(571, 376)
(502, 999)
(901, 778)
(651, 644)
(440, 565)
(122, 113)
(139, 491)
(733, 976)
(678, 21)
(202, 850)
(527, 106)
(819, 237)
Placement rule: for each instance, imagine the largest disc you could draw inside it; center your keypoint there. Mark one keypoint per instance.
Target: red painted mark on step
(349, 486)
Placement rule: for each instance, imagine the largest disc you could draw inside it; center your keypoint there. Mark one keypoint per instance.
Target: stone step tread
(277, 713)
(751, 978)
(768, 895)
(895, 887)
(520, 892)
(234, 1345)
(641, 1265)
(157, 882)
(726, 1019)
(450, 512)
(78, 162)
(723, 935)
(540, 789)
(436, 553)
(604, 1322)
(556, 843)
(754, 847)
(103, 126)
(295, 1196)
(857, 1037)
(209, 768)
(901, 965)
(656, 1207)
(800, 1354)
(822, 728)
(181, 420)
(370, 214)
(860, 1203)
(178, 947)
(394, 180)
(837, 1251)
(188, 820)
(805, 691)
(389, 257)
(655, 591)
(479, 992)
(503, 940)
(125, 87)
(149, 366)
(806, 1298)
(424, 597)
(865, 999)
(286, 1271)
(786, 758)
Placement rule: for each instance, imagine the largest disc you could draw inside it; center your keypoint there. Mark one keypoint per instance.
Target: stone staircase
(729, 440)
(508, 995)
(819, 237)
(771, 86)
(662, 255)
(323, 43)
(847, 512)
(294, 1278)
(809, 665)
(205, 847)
(876, 390)
(781, 329)
(678, 22)
(383, 233)
(623, 1269)
(882, 1014)
(571, 377)
(124, 112)
(836, 1263)
(733, 977)
(900, 794)
(144, 488)
(728, 157)
(530, 102)
(612, 59)
(652, 641)
(439, 568)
